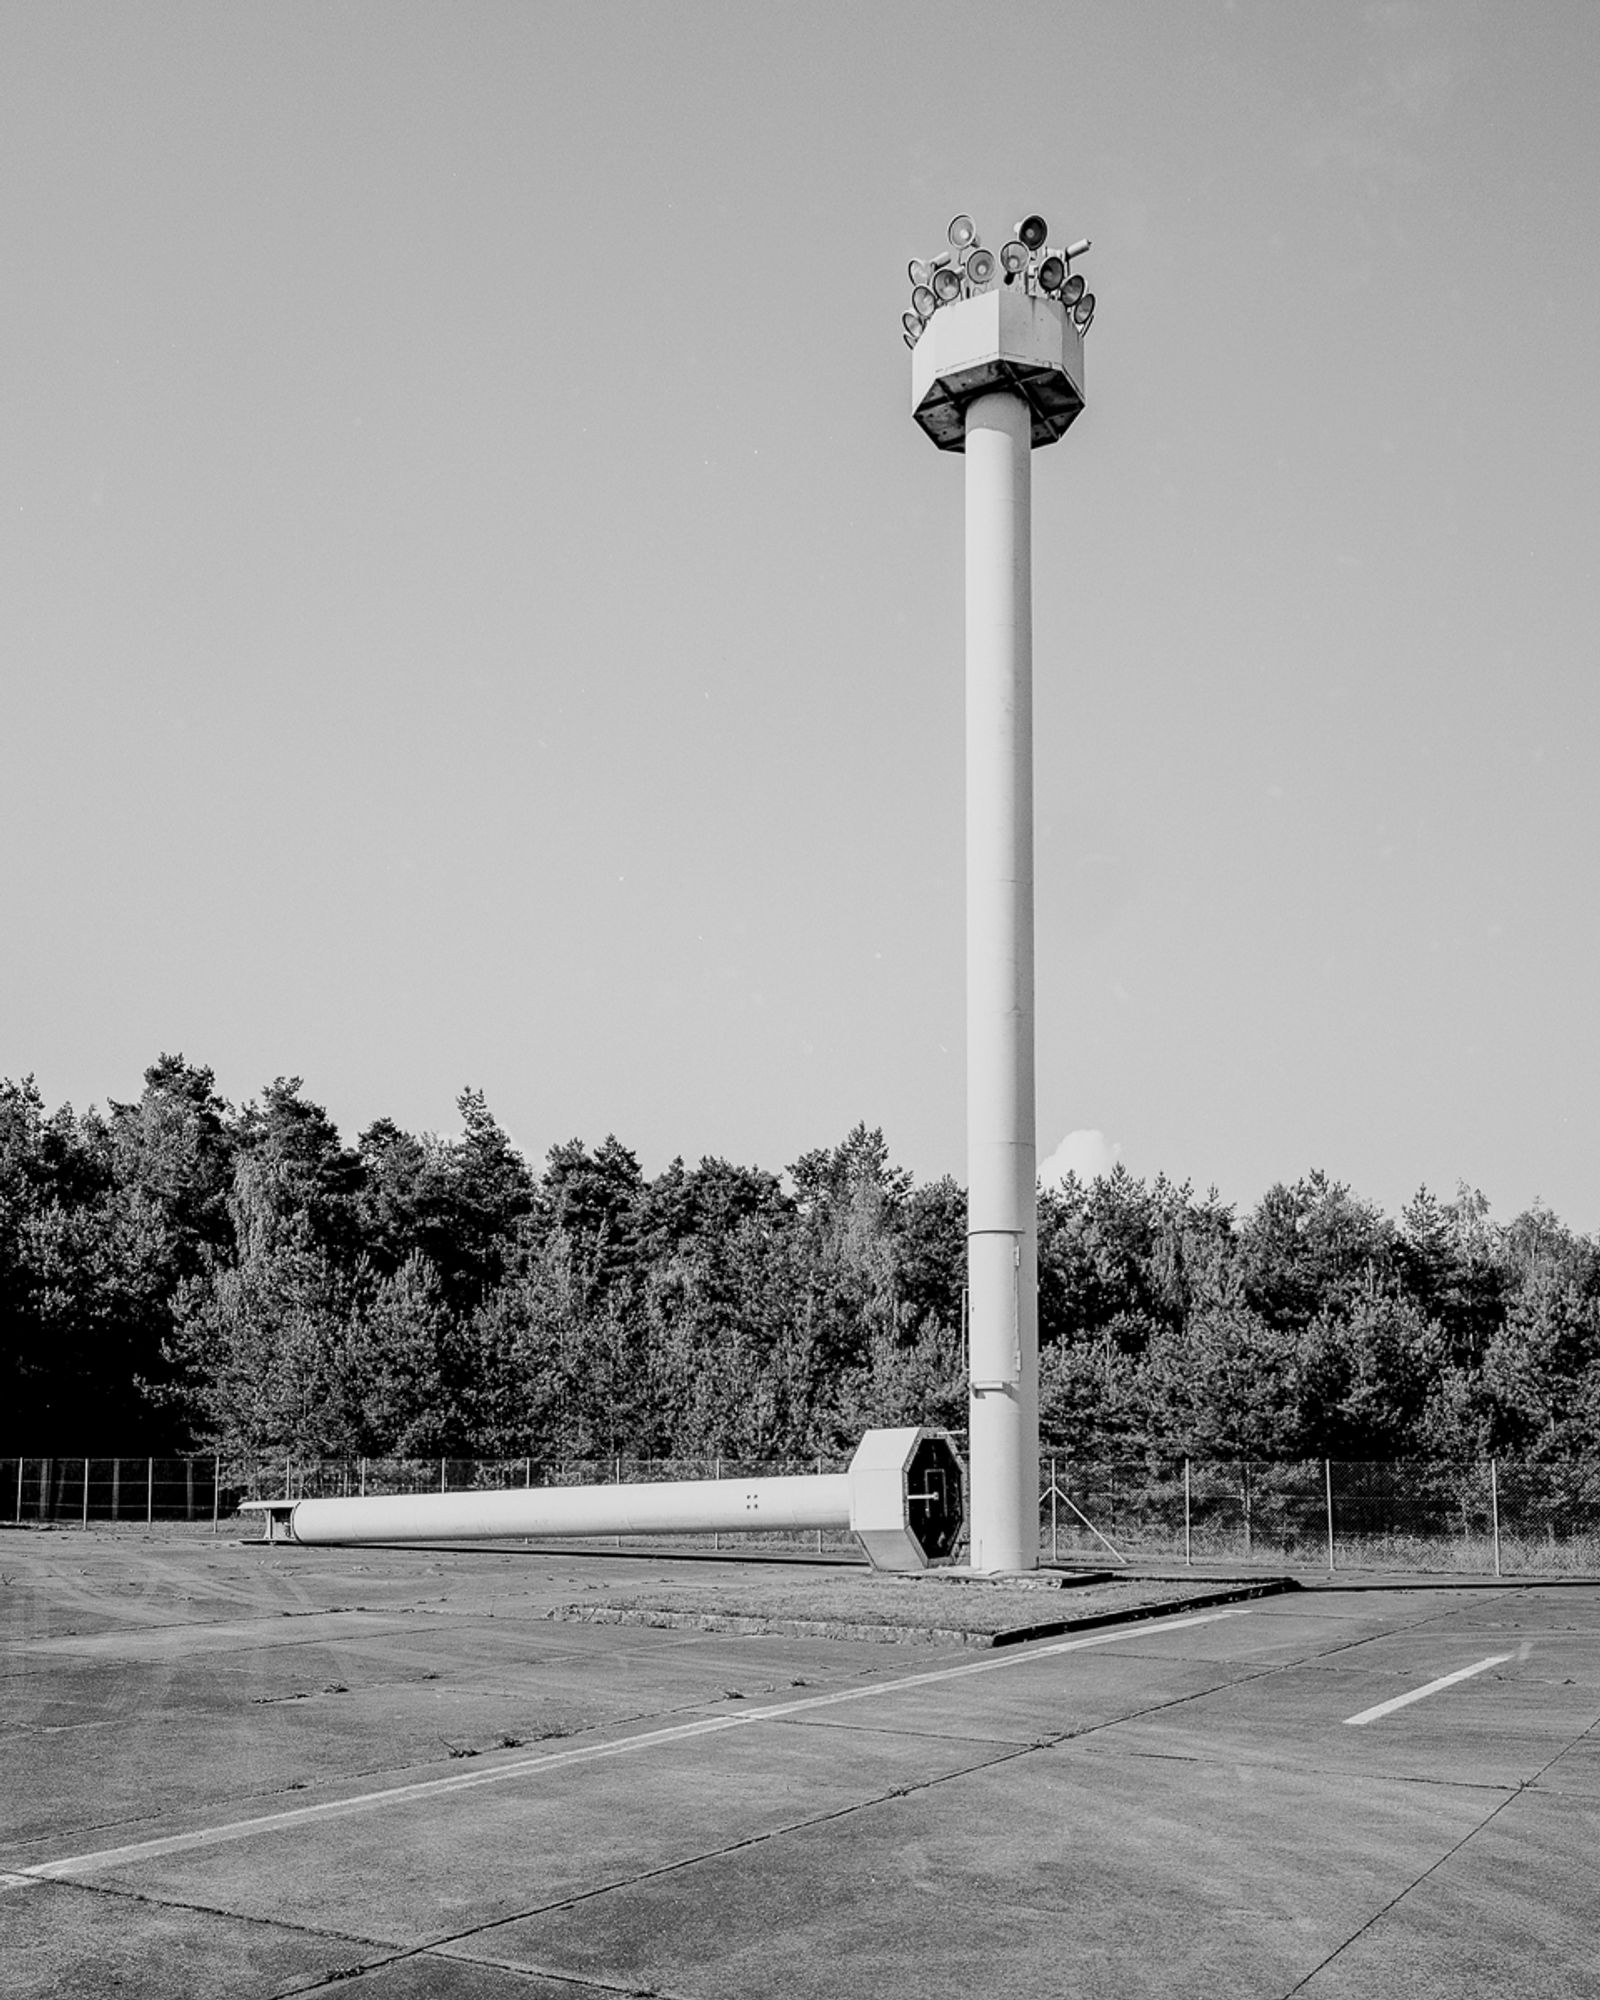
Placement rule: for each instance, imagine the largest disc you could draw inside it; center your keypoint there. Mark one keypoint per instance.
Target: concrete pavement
(243, 1771)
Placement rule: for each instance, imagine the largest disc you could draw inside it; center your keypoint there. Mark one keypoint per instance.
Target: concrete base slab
(1143, 1882)
(1181, 1806)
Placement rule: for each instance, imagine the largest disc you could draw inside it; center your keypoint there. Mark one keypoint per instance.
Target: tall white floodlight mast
(996, 368)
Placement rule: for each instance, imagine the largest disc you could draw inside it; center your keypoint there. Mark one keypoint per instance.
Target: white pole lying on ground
(902, 1498)
(674, 1507)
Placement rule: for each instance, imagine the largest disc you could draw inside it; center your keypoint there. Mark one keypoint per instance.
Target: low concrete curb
(892, 1632)
(1138, 1613)
(753, 1623)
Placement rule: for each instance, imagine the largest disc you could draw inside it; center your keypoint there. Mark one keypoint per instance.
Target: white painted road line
(555, 1760)
(1416, 1694)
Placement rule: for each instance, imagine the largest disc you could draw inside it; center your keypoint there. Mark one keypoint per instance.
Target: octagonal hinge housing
(1004, 338)
(907, 1497)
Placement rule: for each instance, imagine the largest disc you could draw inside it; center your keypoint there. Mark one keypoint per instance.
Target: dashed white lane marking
(555, 1760)
(1416, 1694)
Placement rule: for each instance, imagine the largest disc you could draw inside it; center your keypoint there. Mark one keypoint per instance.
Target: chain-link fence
(208, 1490)
(115, 1489)
(1499, 1518)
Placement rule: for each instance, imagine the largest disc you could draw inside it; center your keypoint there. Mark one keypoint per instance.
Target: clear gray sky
(476, 609)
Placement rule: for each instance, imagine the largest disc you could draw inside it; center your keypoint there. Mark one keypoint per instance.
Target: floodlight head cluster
(967, 268)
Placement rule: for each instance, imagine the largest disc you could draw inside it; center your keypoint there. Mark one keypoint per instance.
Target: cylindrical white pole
(1002, 1157)
(663, 1508)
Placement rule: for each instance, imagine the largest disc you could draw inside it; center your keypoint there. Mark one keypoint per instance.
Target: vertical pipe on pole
(1002, 1157)
(1327, 1485)
(1494, 1511)
(1188, 1546)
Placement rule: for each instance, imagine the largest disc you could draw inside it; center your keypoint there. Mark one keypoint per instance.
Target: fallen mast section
(903, 1498)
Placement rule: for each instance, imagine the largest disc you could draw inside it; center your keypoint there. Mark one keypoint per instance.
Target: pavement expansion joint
(911, 1732)
(1399, 1897)
(113, 1892)
(832, 1815)
(1290, 1768)
(549, 1975)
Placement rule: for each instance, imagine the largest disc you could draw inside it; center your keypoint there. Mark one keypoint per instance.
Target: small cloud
(1089, 1155)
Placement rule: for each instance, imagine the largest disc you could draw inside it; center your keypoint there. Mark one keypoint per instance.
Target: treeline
(178, 1272)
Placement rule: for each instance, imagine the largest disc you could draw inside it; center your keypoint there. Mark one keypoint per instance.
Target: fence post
(216, 1492)
(1494, 1511)
(1327, 1482)
(188, 1488)
(19, 1491)
(86, 1493)
(116, 1485)
(441, 1475)
(363, 1476)
(716, 1539)
(149, 1491)
(1188, 1545)
(617, 1482)
(1055, 1537)
(819, 1531)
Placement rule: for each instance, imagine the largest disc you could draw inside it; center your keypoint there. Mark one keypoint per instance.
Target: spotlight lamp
(966, 269)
